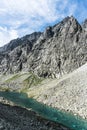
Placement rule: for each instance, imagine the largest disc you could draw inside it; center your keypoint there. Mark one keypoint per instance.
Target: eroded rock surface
(58, 50)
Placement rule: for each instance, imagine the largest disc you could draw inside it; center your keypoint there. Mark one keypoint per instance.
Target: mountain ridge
(19, 41)
(60, 49)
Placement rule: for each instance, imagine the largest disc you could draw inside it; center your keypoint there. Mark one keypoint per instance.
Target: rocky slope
(19, 82)
(16, 118)
(28, 39)
(84, 24)
(69, 93)
(58, 50)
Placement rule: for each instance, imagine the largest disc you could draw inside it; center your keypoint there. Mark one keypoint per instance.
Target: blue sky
(21, 17)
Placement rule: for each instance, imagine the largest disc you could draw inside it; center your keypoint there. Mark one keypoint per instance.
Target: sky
(21, 17)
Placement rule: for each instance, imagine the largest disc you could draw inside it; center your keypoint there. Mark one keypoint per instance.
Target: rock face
(84, 24)
(58, 50)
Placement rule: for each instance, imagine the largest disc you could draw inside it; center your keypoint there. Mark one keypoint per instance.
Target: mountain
(84, 24)
(50, 67)
(28, 39)
(54, 51)
(60, 49)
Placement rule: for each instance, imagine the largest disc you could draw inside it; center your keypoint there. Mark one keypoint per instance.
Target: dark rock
(17, 118)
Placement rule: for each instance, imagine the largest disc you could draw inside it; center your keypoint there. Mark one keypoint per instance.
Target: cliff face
(58, 50)
(84, 24)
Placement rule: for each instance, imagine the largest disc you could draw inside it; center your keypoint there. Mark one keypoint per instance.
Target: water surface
(66, 119)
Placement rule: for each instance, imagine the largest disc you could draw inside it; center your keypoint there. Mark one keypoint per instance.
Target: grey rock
(84, 24)
(28, 39)
(60, 49)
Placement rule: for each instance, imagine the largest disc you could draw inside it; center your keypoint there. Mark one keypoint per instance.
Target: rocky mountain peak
(58, 50)
(68, 25)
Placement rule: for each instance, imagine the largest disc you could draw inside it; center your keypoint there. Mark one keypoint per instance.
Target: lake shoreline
(68, 120)
(15, 117)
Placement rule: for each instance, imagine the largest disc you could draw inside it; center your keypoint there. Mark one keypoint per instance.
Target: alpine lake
(64, 118)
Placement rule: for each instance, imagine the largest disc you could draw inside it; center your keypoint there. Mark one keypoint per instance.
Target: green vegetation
(19, 82)
(45, 96)
(14, 77)
(30, 81)
(6, 89)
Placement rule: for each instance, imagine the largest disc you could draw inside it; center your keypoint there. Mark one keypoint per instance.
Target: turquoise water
(66, 119)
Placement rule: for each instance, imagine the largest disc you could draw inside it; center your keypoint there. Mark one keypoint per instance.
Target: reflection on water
(67, 119)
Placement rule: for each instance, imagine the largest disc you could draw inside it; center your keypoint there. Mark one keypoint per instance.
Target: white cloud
(19, 17)
(7, 35)
(43, 8)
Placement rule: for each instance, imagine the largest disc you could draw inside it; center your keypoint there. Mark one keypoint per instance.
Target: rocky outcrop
(14, 54)
(84, 24)
(58, 50)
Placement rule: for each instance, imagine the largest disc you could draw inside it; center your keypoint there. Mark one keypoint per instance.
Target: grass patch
(16, 76)
(30, 81)
(13, 78)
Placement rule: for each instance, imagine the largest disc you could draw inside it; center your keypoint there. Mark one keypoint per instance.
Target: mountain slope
(32, 63)
(28, 39)
(68, 93)
(58, 50)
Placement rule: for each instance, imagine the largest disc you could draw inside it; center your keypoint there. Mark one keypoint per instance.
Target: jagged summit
(68, 24)
(60, 49)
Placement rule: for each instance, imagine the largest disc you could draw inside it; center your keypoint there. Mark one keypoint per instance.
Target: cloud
(20, 17)
(7, 35)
